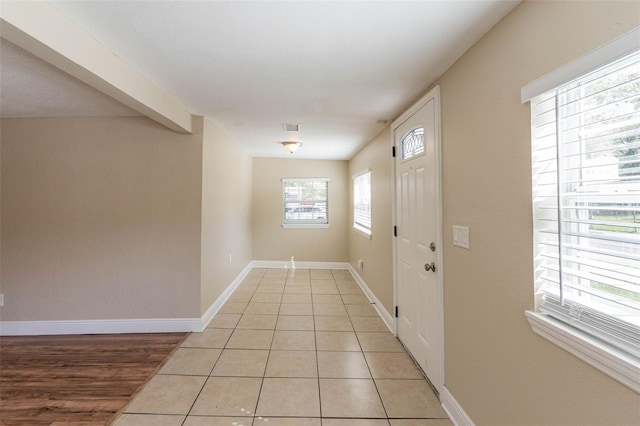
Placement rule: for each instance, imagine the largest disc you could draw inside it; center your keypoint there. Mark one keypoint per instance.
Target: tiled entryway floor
(290, 347)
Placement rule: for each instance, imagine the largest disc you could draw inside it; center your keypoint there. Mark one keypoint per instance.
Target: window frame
(360, 228)
(305, 223)
(616, 363)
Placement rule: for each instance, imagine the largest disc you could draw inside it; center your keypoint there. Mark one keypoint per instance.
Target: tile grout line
(371, 374)
(264, 373)
(256, 416)
(214, 365)
(255, 410)
(315, 341)
(254, 291)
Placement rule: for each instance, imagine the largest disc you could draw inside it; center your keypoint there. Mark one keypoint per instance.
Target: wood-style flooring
(76, 379)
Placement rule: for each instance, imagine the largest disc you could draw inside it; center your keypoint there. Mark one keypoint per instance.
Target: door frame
(434, 93)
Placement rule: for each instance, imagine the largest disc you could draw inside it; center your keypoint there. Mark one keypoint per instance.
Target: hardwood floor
(76, 379)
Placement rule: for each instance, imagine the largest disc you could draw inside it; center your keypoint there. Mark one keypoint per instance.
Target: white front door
(418, 242)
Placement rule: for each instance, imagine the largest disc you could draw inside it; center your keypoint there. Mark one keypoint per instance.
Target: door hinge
(395, 231)
(396, 312)
(393, 151)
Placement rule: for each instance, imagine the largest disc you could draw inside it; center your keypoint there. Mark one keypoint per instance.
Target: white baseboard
(458, 416)
(286, 264)
(108, 326)
(118, 326)
(169, 325)
(454, 409)
(222, 299)
(384, 315)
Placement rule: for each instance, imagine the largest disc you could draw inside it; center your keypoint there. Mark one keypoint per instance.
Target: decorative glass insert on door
(413, 143)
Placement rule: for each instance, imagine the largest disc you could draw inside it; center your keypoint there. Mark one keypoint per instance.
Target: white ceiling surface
(335, 67)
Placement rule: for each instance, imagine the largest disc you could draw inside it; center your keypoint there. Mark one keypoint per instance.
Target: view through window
(306, 201)
(362, 202)
(586, 198)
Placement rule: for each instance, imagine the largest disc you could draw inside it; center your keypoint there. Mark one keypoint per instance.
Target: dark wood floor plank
(76, 379)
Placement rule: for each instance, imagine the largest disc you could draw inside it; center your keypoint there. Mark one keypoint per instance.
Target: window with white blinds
(586, 202)
(362, 202)
(306, 201)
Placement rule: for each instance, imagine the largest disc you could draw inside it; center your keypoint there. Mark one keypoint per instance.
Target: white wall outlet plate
(461, 236)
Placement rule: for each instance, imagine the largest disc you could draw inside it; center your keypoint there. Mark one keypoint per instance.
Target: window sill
(614, 363)
(305, 225)
(360, 231)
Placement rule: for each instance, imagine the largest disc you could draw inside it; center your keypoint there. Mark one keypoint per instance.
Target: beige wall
(226, 213)
(376, 253)
(101, 219)
(273, 242)
(496, 367)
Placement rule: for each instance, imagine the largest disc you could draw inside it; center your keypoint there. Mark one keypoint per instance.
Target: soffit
(30, 87)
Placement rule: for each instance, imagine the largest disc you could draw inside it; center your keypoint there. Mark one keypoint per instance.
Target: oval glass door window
(413, 143)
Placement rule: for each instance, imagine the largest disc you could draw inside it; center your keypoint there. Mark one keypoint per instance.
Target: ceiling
(341, 69)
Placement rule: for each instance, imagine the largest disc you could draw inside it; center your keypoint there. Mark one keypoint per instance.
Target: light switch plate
(461, 236)
(1, 299)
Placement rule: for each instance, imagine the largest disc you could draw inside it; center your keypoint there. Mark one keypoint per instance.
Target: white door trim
(433, 93)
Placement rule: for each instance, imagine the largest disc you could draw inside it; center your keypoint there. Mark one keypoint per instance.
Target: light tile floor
(290, 347)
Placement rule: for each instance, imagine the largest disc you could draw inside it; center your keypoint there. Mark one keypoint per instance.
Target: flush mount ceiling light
(291, 146)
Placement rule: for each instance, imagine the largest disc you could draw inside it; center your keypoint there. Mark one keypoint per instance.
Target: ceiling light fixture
(291, 146)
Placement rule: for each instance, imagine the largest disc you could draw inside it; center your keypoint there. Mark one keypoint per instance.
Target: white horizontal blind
(586, 200)
(306, 201)
(362, 201)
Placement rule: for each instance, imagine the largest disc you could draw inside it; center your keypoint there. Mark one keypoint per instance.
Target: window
(413, 143)
(306, 203)
(362, 202)
(586, 202)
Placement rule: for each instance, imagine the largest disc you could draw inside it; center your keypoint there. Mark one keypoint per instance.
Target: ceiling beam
(42, 30)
